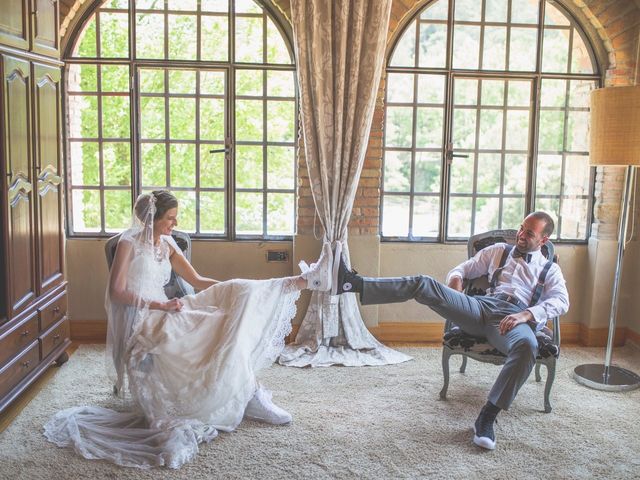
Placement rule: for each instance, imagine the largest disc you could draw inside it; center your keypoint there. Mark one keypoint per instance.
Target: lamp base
(611, 379)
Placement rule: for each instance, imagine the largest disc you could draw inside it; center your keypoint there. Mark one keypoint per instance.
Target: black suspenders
(539, 286)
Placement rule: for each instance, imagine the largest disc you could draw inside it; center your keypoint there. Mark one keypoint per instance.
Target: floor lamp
(615, 140)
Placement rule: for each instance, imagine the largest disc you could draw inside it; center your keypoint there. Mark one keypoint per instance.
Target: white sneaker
(261, 408)
(319, 274)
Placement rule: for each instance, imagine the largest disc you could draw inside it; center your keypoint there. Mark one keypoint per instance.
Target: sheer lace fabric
(190, 373)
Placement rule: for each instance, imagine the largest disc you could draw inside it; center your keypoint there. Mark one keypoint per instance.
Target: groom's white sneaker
(261, 408)
(318, 275)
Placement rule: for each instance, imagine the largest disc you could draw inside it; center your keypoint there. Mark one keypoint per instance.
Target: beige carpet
(369, 422)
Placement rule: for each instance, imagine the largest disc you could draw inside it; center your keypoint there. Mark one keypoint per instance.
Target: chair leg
(445, 372)
(538, 378)
(551, 374)
(463, 367)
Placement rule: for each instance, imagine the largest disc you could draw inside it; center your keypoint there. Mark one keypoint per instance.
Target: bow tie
(518, 254)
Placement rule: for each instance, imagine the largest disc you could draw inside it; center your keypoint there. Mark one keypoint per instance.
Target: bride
(188, 363)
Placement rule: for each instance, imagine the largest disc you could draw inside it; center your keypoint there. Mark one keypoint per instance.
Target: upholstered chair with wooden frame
(457, 342)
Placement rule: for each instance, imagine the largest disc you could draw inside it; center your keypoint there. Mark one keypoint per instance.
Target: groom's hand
(510, 321)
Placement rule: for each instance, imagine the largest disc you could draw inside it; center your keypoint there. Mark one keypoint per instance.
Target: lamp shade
(615, 126)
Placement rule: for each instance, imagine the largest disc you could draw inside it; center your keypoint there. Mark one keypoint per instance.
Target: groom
(508, 316)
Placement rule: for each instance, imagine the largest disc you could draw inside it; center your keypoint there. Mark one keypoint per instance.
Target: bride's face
(165, 224)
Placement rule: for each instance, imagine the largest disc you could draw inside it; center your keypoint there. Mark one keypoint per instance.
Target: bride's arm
(118, 291)
(183, 268)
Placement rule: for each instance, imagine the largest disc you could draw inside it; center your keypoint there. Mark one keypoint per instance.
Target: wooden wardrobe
(34, 331)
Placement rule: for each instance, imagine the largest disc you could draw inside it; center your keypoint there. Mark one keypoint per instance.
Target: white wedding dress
(190, 373)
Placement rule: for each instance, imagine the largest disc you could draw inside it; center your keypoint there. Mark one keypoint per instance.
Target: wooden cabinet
(34, 329)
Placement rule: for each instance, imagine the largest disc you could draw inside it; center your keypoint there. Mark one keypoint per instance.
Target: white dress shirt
(519, 278)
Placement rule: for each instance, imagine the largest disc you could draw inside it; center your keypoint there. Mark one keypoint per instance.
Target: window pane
(487, 213)
(211, 168)
(82, 78)
(464, 129)
(182, 159)
(182, 118)
(399, 127)
(182, 37)
(493, 92)
(512, 212)
(462, 175)
(249, 124)
(280, 207)
(212, 83)
(397, 171)
(517, 130)
(182, 81)
(426, 216)
(468, 10)
(211, 119)
(574, 218)
(86, 210)
(152, 117)
(214, 39)
(114, 35)
(438, 10)
(515, 174)
(433, 42)
(581, 61)
(277, 51)
(490, 129)
(395, 220)
(576, 175)
(116, 158)
(548, 178)
(555, 54)
(117, 210)
(494, 50)
(115, 117)
(522, 49)
(281, 167)
(466, 46)
(429, 128)
(214, 6)
(400, 88)
(428, 168)
(489, 172)
(280, 84)
(404, 55)
(519, 93)
(249, 40)
(551, 131)
(83, 116)
(212, 208)
(280, 121)
(248, 167)
(85, 167)
(249, 207)
(152, 81)
(115, 78)
(553, 93)
(578, 132)
(149, 35)
(459, 217)
(465, 91)
(496, 10)
(431, 88)
(525, 11)
(87, 46)
(154, 167)
(187, 210)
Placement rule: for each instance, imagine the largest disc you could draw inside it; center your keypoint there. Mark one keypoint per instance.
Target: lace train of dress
(190, 373)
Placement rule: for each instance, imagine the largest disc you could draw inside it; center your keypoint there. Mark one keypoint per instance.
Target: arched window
(487, 119)
(197, 96)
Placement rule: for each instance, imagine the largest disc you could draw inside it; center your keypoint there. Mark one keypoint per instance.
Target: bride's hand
(173, 305)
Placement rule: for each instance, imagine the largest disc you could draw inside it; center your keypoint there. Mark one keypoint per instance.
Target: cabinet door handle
(26, 364)
(56, 309)
(25, 333)
(56, 337)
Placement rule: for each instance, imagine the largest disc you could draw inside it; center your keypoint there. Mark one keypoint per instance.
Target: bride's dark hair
(164, 200)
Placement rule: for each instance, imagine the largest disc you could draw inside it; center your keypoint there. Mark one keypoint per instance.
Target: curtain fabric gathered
(339, 46)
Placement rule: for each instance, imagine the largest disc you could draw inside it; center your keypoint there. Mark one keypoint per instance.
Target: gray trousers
(478, 316)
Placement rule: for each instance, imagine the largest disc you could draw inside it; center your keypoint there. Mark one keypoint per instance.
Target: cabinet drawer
(18, 338)
(20, 367)
(53, 311)
(54, 337)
